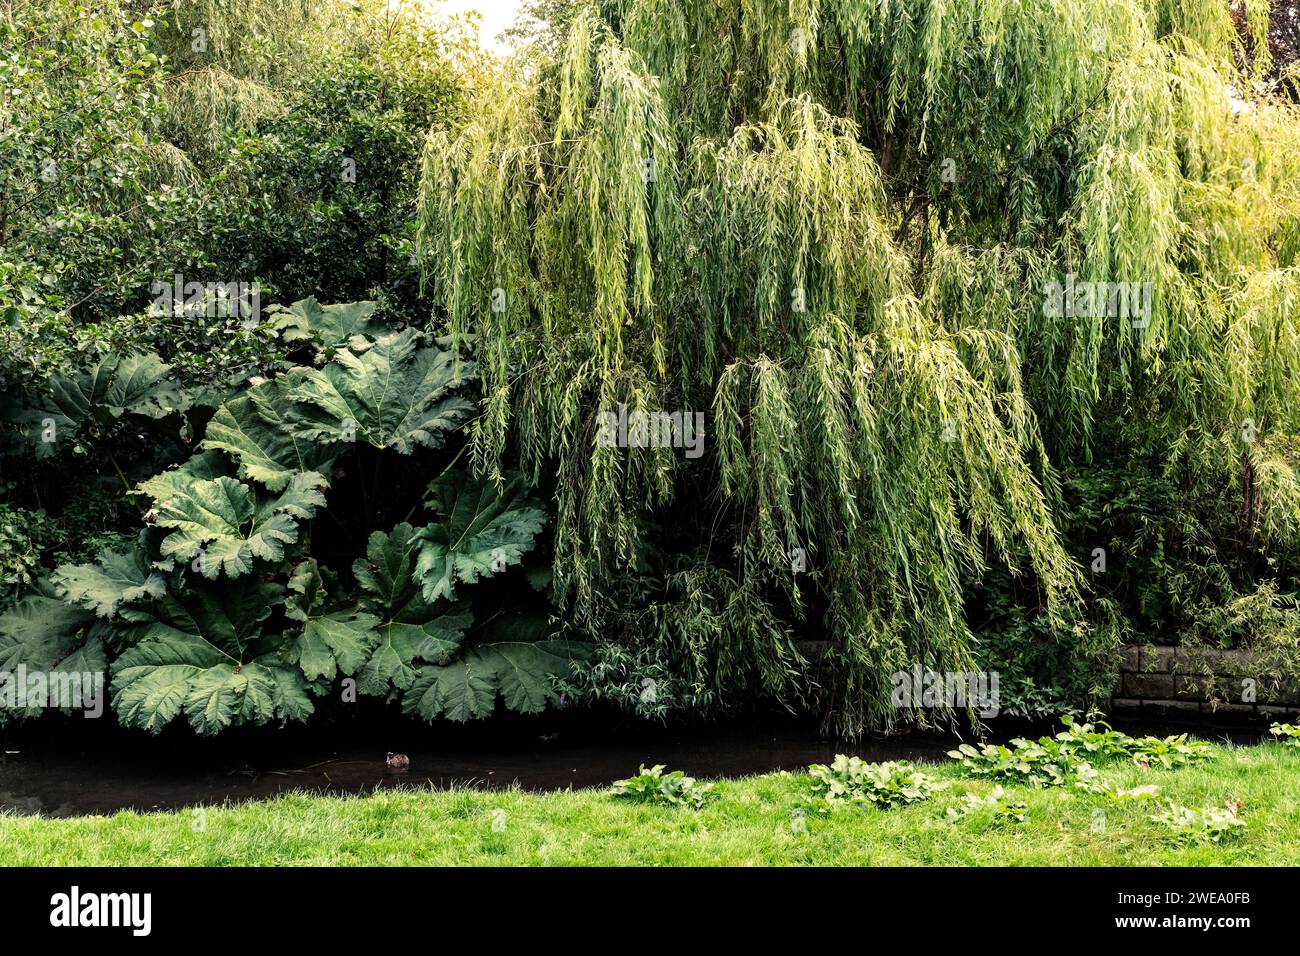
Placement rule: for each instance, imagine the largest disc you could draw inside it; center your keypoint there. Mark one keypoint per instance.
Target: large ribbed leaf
(114, 387)
(480, 531)
(329, 326)
(395, 395)
(387, 573)
(45, 634)
(329, 642)
(174, 482)
(255, 431)
(401, 646)
(339, 641)
(411, 630)
(205, 656)
(116, 578)
(232, 525)
(135, 384)
(40, 631)
(523, 674)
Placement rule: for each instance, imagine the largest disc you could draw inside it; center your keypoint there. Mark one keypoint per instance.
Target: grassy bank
(753, 822)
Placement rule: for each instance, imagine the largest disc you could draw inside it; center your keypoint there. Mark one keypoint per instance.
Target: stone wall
(1170, 680)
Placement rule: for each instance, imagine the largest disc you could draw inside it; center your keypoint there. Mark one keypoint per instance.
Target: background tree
(835, 226)
(251, 141)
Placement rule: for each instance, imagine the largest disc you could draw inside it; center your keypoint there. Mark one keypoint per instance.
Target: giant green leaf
(480, 531)
(410, 630)
(232, 525)
(387, 573)
(113, 387)
(204, 655)
(45, 634)
(41, 630)
(523, 674)
(395, 395)
(174, 482)
(255, 430)
(134, 384)
(117, 577)
(401, 645)
(329, 642)
(339, 641)
(329, 326)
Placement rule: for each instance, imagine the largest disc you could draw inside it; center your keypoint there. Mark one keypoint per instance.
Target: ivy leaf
(523, 674)
(329, 326)
(232, 525)
(117, 578)
(255, 431)
(480, 532)
(396, 395)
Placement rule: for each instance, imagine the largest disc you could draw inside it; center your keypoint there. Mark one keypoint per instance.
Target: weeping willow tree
(832, 226)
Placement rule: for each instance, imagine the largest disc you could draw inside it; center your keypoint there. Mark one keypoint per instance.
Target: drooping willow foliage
(831, 225)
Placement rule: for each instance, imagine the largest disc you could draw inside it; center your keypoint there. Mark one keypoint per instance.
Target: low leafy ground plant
(851, 780)
(1193, 825)
(1042, 763)
(1173, 751)
(1097, 739)
(1288, 734)
(1147, 791)
(1064, 760)
(676, 789)
(1004, 811)
(1169, 752)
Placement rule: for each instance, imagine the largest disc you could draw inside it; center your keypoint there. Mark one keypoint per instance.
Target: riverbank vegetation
(988, 311)
(768, 820)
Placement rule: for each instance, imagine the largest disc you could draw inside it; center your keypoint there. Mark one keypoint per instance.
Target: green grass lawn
(751, 823)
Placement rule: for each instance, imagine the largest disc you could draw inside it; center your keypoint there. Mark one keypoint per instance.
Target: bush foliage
(988, 310)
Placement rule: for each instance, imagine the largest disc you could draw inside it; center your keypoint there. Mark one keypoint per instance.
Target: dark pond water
(73, 767)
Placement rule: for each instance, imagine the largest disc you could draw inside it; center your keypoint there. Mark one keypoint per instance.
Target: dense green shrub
(279, 563)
